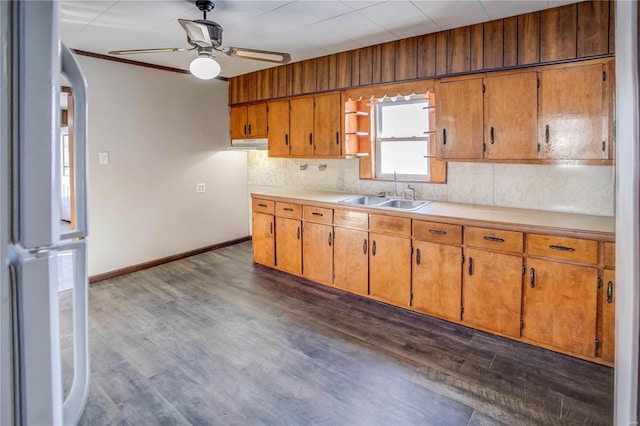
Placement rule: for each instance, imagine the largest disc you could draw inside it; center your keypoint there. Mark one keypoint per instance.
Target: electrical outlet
(201, 187)
(103, 158)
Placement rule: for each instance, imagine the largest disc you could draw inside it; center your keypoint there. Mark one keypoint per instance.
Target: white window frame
(379, 141)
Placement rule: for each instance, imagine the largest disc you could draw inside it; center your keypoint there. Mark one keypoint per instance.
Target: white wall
(164, 132)
(567, 188)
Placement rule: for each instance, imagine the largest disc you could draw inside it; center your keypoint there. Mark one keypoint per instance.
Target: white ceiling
(303, 28)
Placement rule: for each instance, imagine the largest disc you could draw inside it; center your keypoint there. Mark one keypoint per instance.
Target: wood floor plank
(216, 339)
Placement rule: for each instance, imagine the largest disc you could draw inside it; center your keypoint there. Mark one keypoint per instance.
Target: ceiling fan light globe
(204, 68)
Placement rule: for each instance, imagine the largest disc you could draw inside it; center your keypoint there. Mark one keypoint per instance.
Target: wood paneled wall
(566, 33)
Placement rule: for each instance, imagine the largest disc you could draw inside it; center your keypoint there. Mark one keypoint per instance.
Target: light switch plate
(103, 158)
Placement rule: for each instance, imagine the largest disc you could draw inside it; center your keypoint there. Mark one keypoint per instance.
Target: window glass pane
(405, 157)
(403, 120)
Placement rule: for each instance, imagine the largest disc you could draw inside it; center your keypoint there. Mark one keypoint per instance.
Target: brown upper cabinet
(306, 127)
(493, 118)
(248, 122)
(572, 108)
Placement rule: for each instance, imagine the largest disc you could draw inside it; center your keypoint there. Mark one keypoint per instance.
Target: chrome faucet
(413, 193)
(395, 181)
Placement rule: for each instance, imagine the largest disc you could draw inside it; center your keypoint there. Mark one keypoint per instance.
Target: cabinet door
(350, 260)
(390, 268)
(437, 280)
(263, 239)
(301, 127)
(459, 119)
(257, 120)
(608, 341)
(278, 128)
(510, 116)
(317, 252)
(238, 117)
(326, 128)
(492, 291)
(560, 303)
(289, 245)
(571, 113)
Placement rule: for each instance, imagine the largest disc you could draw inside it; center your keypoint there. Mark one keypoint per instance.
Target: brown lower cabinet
(351, 260)
(436, 280)
(390, 268)
(560, 305)
(607, 344)
(317, 252)
(557, 302)
(289, 245)
(263, 239)
(492, 291)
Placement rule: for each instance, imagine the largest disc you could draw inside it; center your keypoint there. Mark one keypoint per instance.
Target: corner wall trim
(150, 264)
(136, 63)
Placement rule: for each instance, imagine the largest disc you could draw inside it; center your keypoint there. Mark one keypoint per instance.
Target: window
(403, 133)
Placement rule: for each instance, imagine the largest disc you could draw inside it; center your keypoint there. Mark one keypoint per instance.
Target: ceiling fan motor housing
(215, 31)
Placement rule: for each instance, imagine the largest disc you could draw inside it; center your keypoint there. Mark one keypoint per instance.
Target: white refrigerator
(32, 60)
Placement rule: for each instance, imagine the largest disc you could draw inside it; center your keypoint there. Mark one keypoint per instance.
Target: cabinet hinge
(267, 108)
(462, 258)
(599, 282)
(521, 325)
(524, 268)
(484, 88)
(597, 344)
(410, 298)
(461, 309)
(604, 76)
(411, 249)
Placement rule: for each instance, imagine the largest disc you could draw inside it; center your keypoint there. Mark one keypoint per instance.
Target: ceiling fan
(205, 37)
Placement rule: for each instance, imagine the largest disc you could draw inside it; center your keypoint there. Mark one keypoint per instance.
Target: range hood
(248, 144)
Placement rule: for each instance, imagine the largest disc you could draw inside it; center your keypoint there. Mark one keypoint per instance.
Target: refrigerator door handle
(71, 70)
(74, 403)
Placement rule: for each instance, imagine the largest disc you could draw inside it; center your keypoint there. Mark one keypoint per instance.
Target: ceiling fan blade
(197, 33)
(160, 50)
(259, 55)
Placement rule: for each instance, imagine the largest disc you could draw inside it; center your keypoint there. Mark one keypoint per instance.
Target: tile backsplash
(565, 188)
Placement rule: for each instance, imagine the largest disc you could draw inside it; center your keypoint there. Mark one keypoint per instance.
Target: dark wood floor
(215, 339)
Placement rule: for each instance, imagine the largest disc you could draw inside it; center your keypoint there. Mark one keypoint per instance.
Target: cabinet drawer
(349, 219)
(263, 206)
(610, 255)
(391, 225)
(573, 249)
(317, 214)
(290, 210)
(437, 232)
(494, 239)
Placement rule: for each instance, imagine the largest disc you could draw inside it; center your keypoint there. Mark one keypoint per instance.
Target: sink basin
(365, 200)
(403, 204)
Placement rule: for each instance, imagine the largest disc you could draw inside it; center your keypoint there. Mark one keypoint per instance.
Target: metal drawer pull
(364, 246)
(330, 239)
(471, 266)
(262, 205)
(494, 239)
(298, 232)
(317, 214)
(288, 209)
(310, 138)
(561, 248)
(373, 248)
(532, 278)
(444, 136)
(271, 228)
(417, 256)
(609, 292)
(437, 232)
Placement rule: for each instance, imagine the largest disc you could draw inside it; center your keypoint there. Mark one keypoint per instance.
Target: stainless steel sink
(403, 204)
(365, 200)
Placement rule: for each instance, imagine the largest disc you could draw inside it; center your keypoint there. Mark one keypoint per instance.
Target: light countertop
(579, 223)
